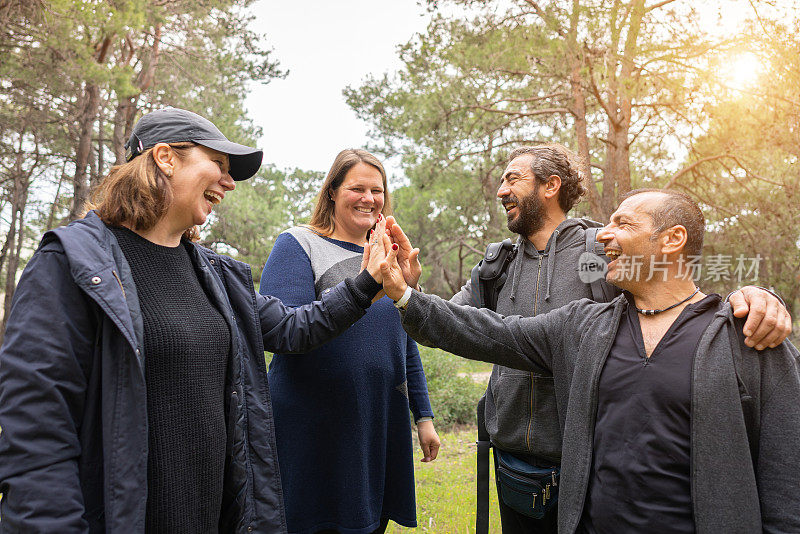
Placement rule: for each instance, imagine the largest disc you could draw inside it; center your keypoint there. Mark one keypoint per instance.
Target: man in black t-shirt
(671, 423)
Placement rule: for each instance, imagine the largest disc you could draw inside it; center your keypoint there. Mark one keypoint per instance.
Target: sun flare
(741, 72)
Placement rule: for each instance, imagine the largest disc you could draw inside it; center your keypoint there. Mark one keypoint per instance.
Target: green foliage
(486, 77)
(454, 396)
(747, 175)
(446, 215)
(75, 75)
(247, 223)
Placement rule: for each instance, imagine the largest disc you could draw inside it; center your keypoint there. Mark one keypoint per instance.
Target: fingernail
(394, 246)
(759, 347)
(380, 216)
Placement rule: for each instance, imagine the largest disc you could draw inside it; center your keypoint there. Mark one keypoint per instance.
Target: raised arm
(477, 334)
(301, 329)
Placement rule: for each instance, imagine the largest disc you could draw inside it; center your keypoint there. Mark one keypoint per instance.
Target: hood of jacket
(566, 244)
(99, 267)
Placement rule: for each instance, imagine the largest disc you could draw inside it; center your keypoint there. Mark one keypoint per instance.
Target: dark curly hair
(553, 159)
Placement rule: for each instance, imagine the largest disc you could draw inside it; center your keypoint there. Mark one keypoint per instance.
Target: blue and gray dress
(342, 411)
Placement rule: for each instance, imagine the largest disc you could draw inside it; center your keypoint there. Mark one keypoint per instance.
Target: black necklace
(653, 312)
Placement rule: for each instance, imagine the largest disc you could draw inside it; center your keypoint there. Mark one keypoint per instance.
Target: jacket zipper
(593, 404)
(533, 380)
(119, 282)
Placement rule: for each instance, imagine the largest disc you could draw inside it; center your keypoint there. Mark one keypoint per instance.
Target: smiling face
(199, 181)
(357, 202)
(519, 194)
(630, 243)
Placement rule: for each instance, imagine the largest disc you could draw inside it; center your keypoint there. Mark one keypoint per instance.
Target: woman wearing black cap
(133, 391)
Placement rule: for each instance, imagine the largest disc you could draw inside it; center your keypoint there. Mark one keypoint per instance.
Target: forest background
(642, 90)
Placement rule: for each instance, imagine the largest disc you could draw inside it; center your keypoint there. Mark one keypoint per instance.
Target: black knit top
(186, 345)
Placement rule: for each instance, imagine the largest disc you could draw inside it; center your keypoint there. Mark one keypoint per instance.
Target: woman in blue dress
(342, 411)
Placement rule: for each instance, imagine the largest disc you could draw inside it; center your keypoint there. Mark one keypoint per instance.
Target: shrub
(454, 398)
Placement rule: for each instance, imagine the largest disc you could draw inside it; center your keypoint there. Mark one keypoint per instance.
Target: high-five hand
(392, 275)
(407, 256)
(375, 250)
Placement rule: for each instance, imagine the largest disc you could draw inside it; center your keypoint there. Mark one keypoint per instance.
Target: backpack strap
(486, 280)
(489, 275)
(476, 297)
(484, 444)
(601, 290)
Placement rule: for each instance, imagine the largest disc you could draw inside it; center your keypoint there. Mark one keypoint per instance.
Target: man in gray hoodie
(672, 423)
(537, 189)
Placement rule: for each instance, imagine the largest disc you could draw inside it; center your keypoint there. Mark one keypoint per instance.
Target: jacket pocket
(545, 430)
(521, 413)
(508, 408)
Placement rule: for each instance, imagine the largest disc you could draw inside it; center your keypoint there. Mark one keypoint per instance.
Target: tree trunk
(86, 119)
(85, 122)
(97, 173)
(617, 175)
(578, 110)
(9, 242)
(123, 119)
(127, 107)
(16, 232)
(54, 205)
(622, 82)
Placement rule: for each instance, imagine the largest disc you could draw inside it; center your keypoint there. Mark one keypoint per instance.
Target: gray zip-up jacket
(521, 412)
(745, 404)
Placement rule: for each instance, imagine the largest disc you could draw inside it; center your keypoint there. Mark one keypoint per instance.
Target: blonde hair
(137, 193)
(322, 219)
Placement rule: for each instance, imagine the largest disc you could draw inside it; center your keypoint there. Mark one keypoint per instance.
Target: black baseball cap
(174, 125)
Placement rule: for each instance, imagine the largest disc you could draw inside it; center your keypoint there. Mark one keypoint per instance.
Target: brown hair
(553, 159)
(322, 219)
(677, 209)
(137, 193)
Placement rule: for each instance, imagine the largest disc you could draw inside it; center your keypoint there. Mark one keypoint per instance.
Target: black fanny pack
(527, 489)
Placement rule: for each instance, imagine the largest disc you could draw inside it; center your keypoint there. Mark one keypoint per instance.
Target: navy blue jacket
(73, 447)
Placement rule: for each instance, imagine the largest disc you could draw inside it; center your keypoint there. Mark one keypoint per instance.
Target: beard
(530, 214)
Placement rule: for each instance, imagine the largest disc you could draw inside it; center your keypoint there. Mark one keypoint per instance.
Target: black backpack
(486, 280)
(490, 274)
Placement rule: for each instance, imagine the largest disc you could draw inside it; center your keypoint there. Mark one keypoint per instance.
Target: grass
(471, 366)
(446, 488)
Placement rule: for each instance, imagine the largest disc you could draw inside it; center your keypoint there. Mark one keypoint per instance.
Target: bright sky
(326, 46)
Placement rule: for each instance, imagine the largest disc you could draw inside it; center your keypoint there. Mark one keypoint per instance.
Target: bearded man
(539, 186)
